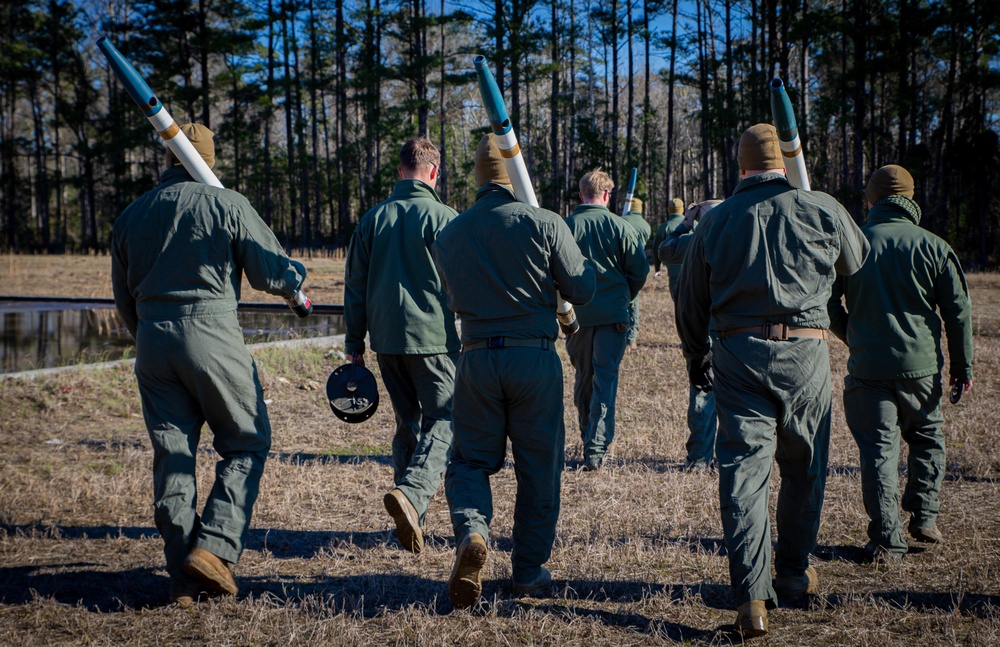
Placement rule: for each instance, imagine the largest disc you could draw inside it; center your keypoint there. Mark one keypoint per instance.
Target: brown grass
(638, 558)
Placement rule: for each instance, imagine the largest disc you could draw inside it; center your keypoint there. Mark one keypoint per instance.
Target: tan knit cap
(889, 180)
(676, 206)
(489, 165)
(202, 140)
(635, 205)
(759, 149)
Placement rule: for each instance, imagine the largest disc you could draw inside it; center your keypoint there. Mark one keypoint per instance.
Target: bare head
(595, 188)
(418, 160)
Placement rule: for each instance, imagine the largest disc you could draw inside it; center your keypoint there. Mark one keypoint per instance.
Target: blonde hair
(418, 151)
(594, 183)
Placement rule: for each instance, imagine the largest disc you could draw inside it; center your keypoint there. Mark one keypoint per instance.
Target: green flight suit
(701, 417)
(673, 269)
(893, 387)
(393, 293)
(612, 248)
(768, 254)
(643, 231)
(501, 262)
(178, 256)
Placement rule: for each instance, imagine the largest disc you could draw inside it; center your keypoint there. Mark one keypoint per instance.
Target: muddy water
(43, 336)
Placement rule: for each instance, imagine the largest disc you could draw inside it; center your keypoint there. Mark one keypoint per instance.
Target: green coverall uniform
(392, 292)
(768, 254)
(701, 404)
(612, 248)
(893, 387)
(501, 262)
(643, 231)
(178, 256)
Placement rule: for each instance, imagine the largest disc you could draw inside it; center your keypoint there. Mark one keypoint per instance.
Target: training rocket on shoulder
(171, 133)
(788, 136)
(630, 193)
(513, 161)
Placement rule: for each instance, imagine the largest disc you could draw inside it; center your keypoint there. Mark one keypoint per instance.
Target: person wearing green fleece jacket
(752, 309)
(893, 388)
(393, 293)
(642, 230)
(597, 349)
(178, 255)
(501, 262)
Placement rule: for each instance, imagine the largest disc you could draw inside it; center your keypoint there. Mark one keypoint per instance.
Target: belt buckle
(495, 343)
(776, 332)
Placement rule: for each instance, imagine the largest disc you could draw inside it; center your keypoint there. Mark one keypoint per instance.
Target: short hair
(417, 152)
(595, 182)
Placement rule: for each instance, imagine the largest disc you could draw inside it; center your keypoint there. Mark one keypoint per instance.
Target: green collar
(409, 189)
(895, 204)
(755, 181)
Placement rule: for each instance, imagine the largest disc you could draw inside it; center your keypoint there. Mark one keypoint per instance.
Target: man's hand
(691, 216)
(358, 359)
(700, 373)
(958, 388)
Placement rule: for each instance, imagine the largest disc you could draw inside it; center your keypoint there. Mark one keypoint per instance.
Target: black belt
(499, 343)
(777, 332)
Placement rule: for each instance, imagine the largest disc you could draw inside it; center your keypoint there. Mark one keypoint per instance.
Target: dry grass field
(638, 558)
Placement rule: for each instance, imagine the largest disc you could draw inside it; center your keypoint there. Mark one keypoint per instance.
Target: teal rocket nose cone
(781, 111)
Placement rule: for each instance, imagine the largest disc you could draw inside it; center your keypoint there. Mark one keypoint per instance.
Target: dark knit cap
(759, 149)
(889, 180)
(203, 141)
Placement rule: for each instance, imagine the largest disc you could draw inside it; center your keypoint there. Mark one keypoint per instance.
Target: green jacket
(768, 254)
(182, 248)
(639, 224)
(613, 249)
(391, 288)
(891, 324)
(501, 262)
(672, 248)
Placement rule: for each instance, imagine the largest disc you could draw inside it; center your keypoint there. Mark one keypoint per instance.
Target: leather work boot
(751, 619)
(541, 584)
(184, 591)
(407, 521)
(795, 586)
(927, 534)
(464, 586)
(213, 573)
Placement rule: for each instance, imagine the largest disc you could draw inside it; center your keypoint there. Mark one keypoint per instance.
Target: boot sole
(207, 574)
(407, 528)
(464, 586)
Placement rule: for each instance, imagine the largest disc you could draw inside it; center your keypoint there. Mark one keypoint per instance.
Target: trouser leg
(479, 446)
(633, 322)
(406, 408)
(433, 378)
(922, 430)
(580, 347)
(701, 419)
(872, 415)
(745, 449)
(608, 350)
(533, 386)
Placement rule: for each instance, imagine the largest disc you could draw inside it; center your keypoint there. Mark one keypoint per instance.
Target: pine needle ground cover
(639, 557)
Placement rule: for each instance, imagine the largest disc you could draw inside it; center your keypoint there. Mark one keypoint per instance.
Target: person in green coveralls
(178, 256)
(675, 214)
(643, 231)
(893, 386)
(501, 262)
(700, 444)
(756, 280)
(596, 351)
(393, 293)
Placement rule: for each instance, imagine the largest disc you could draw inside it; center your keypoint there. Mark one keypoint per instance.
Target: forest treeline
(311, 99)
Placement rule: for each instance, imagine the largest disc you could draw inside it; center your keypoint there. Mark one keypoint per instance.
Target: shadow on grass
(661, 629)
(327, 459)
(975, 605)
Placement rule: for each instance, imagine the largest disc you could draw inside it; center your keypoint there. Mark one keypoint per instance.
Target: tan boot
(751, 619)
(927, 534)
(212, 572)
(465, 586)
(407, 521)
(184, 591)
(795, 586)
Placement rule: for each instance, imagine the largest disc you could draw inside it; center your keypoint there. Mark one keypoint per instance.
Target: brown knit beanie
(201, 138)
(759, 149)
(636, 205)
(489, 165)
(676, 206)
(889, 180)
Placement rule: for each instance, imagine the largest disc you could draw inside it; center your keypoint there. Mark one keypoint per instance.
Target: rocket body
(158, 116)
(513, 162)
(630, 193)
(788, 136)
